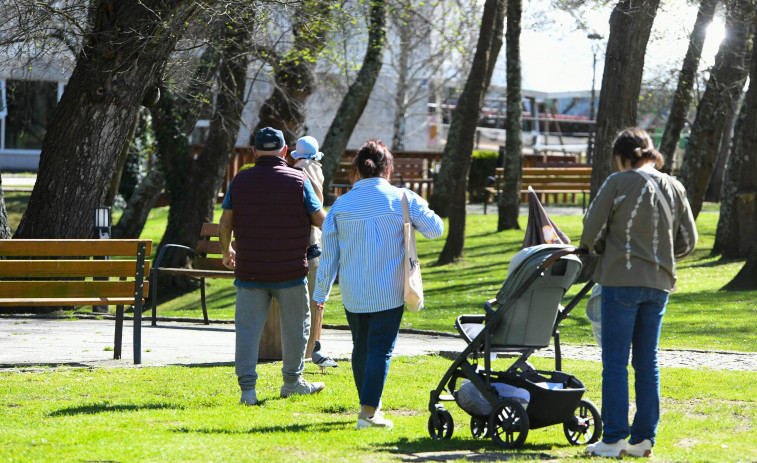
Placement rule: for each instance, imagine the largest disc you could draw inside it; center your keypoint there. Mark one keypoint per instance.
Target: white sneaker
(249, 398)
(300, 387)
(603, 449)
(375, 421)
(642, 449)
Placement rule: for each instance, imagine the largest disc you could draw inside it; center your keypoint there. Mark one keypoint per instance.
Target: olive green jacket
(627, 227)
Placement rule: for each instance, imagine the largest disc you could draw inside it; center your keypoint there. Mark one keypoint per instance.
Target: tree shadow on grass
(294, 428)
(194, 305)
(426, 450)
(707, 261)
(106, 407)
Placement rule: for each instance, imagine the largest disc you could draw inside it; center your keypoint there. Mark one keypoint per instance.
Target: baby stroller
(521, 319)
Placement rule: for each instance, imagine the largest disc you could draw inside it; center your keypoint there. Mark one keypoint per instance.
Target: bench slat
(69, 268)
(557, 170)
(210, 263)
(198, 273)
(209, 247)
(558, 180)
(71, 248)
(557, 186)
(65, 302)
(69, 289)
(209, 230)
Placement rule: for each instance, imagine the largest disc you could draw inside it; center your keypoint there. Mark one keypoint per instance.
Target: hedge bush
(482, 167)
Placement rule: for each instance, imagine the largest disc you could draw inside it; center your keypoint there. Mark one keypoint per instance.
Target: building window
(30, 106)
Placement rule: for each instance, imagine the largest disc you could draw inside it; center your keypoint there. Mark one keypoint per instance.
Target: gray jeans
(250, 316)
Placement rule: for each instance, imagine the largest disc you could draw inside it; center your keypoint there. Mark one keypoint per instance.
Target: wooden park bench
(208, 263)
(551, 184)
(61, 273)
(412, 173)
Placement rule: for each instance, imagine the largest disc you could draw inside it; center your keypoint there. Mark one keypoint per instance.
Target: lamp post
(594, 49)
(102, 231)
(102, 222)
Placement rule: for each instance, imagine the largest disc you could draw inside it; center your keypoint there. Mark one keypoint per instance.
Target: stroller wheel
(445, 427)
(478, 427)
(508, 424)
(585, 427)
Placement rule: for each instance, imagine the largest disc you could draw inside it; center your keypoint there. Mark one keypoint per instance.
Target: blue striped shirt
(363, 240)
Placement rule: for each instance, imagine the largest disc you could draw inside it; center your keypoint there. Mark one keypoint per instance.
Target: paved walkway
(29, 341)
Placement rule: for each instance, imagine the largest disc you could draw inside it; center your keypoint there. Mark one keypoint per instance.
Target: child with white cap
(307, 158)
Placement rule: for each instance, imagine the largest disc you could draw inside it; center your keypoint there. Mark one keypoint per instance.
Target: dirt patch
(687, 443)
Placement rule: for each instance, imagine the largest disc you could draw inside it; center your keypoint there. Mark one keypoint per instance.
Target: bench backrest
(209, 248)
(73, 272)
(409, 172)
(565, 178)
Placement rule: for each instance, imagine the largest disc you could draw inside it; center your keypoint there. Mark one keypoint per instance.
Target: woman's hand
(320, 305)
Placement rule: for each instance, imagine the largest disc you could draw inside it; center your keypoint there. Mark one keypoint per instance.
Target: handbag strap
(660, 197)
(405, 208)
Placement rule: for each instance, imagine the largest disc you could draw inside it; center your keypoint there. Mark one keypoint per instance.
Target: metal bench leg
(204, 306)
(119, 332)
(154, 287)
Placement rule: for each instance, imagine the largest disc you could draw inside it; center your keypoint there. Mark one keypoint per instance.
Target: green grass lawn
(192, 414)
(699, 315)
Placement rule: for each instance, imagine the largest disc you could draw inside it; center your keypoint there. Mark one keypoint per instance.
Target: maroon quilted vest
(271, 224)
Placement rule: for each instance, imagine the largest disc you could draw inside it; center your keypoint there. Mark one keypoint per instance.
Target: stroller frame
(509, 422)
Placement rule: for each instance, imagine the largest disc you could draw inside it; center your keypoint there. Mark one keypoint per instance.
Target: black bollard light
(102, 231)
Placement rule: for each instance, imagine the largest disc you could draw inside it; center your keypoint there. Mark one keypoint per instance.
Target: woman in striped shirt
(363, 241)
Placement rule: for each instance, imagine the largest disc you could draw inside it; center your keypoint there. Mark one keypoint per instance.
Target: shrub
(482, 167)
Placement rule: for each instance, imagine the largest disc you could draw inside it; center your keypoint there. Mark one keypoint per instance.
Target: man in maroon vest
(269, 209)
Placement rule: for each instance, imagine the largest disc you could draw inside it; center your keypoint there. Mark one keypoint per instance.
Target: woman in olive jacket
(639, 224)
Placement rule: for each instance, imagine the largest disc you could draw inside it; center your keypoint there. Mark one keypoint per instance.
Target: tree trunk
(354, 101)
(140, 203)
(509, 204)
(686, 79)
(400, 99)
(715, 188)
(115, 181)
(630, 25)
(5, 230)
(294, 79)
(451, 183)
(735, 235)
(746, 279)
(192, 203)
(724, 88)
(119, 64)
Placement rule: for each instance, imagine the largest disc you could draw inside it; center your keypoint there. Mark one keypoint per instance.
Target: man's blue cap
(269, 139)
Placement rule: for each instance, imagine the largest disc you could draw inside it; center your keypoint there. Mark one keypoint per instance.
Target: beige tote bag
(413, 282)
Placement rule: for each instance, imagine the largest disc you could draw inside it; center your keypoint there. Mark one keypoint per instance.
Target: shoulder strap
(405, 208)
(660, 197)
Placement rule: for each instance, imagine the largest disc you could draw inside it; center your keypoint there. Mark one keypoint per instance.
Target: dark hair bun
(372, 160)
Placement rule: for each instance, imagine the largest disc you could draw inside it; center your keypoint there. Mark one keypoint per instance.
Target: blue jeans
(631, 322)
(373, 338)
(249, 319)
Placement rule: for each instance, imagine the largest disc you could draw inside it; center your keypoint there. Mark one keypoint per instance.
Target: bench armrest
(163, 250)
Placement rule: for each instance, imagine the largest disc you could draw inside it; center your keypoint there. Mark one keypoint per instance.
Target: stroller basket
(549, 404)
